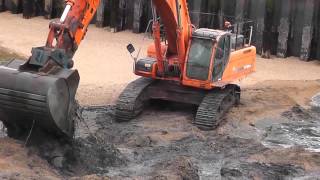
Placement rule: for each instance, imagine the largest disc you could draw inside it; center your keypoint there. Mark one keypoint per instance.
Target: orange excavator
(40, 92)
(194, 66)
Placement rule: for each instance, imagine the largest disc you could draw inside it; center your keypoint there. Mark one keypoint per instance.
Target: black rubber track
(131, 101)
(215, 105)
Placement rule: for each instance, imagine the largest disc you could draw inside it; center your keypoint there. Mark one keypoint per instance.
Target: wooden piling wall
(281, 27)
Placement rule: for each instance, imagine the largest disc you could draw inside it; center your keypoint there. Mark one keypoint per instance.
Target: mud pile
(163, 144)
(273, 134)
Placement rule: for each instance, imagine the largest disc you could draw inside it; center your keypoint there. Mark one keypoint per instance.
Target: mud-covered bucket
(31, 99)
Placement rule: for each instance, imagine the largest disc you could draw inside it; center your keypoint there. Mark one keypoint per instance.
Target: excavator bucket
(30, 99)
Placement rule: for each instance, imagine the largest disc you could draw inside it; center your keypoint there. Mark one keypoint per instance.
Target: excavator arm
(40, 93)
(175, 17)
(72, 26)
(66, 34)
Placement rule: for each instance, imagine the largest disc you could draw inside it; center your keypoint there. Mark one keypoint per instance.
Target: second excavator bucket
(42, 100)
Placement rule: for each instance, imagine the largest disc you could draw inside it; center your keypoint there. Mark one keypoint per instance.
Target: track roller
(131, 101)
(215, 105)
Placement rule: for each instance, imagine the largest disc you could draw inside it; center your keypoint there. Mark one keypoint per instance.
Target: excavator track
(215, 105)
(131, 101)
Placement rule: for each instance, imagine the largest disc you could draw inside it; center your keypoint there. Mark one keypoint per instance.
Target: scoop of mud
(86, 154)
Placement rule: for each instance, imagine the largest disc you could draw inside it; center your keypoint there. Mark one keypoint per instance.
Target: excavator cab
(216, 58)
(208, 46)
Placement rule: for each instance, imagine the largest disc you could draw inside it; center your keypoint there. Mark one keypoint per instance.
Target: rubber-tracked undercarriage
(212, 104)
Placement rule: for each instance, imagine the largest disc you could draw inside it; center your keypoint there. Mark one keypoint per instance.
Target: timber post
(307, 30)
(137, 15)
(48, 7)
(284, 28)
(2, 6)
(100, 22)
(15, 6)
(317, 31)
(195, 7)
(257, 13)
(239, 15)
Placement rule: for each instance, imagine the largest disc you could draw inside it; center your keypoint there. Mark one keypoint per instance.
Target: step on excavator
(188, 65)
(40, 92)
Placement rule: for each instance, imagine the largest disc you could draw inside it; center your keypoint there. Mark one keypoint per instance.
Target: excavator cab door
(199, 58)
(222, 54)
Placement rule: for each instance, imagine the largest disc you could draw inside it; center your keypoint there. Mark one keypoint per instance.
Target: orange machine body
(170, 60)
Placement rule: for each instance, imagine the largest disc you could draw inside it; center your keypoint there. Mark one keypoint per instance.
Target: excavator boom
(40, 92)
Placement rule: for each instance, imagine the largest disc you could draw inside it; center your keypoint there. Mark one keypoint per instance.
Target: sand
(105, 65)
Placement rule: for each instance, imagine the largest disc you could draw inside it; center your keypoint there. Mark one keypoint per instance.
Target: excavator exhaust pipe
(30, 99)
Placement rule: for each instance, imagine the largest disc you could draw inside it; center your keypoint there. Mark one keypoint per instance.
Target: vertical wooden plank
(129, 14)
(284, 28)
(137, 14)
(48, 7)
(32, 8)
(121, 16)
(297, 19)
(213, 18)
(239, 15)
(100, 22)
(57, 8)
(15, 6)
(317, 25)
(108, 13)
(307, 30)
(114, 15)
(2, 7)
(195, 8)
(221, 14)
(268, 33)
(28, 9)
(7, 4)
(257, 13)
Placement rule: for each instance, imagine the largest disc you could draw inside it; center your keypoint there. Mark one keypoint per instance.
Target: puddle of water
(286, 135)
(2, 130)
(315, 103)
(209, 171)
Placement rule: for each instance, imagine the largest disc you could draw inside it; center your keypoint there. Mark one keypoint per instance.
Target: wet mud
(273, 134)
(163, 144)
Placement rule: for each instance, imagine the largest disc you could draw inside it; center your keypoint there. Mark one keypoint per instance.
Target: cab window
(221, 58)
(198, 64)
